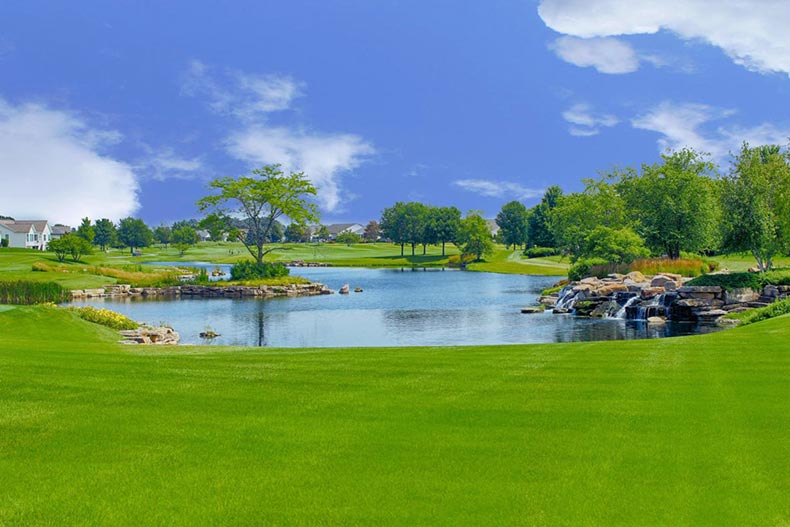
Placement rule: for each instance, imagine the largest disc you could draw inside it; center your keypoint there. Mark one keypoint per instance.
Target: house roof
(60, 229)
(492, 225)
(337, 228)
(23, 226)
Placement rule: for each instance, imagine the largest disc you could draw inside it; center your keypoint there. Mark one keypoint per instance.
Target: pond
(396, 308)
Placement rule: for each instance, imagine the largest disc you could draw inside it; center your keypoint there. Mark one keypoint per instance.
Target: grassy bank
(669, 432)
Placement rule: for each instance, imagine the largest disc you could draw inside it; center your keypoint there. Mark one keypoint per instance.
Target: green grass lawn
(690, 431)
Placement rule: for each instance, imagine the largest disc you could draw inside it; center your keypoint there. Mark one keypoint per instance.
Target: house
(340, 228)
(26, 234)
(204, 235)
(59, 231)
(493, 227)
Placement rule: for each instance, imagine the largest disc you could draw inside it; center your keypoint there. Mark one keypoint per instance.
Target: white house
(26, 234)
(340, 228)
(59, 231)
(492, 227)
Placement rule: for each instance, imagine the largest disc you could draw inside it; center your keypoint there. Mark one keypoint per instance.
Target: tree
(756, 203)
(372, 231)
(393, 224)
(614, 245)
(348, 237)
(106, 235)
(414, 223)
(673, 204)
(475, 236)
(446, 222)
(576, 215)
(86, 231)
(539, 232)
(184, 238)
(163, 234)
(322, 233)
(261, 199)
(134, 233)
(216, 225)
(70, 244)
(297, 233)
(512, 221)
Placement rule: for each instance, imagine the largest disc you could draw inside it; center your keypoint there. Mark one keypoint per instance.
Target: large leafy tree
(106, 234)
(756, 203)
(71, 244)
(673, 203)
(297, 233)
(216, 225)
(262, 198)
(86, 230)
(185, 237)
(163, 234)
(393, 224)
(475, 236)
(134, 233)
(576, 215)
(415, 221)
(512, 221)
(446, 221)
(372, 231)
(539, 232)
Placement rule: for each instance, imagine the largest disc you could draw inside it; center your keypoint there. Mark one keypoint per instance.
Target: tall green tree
(297, 233)
(105, 234)
(372, 231)
(134, 233)
(163, 234)
(756, 203)
(673, 203)
(86, 231)
(475, 236)
(512, 221)
(446, 222)
(184, 238)
(539, 232)
(261, 199)
(393, 224)
(216, 225)
(415, 222)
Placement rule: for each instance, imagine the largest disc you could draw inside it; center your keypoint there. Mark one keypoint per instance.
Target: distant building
(204, 235)
(26, 234)
(340, 228)
(60, 230)
(493, 227)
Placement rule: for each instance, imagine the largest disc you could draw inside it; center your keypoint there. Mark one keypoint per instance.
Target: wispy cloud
(325, 157)
(498, 189)
(585, 122)
(752, 34)
(163, 163)
(57, 167)
(607, 55)
(705, 128)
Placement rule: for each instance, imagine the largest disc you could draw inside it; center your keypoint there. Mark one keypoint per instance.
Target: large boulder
(636, 276)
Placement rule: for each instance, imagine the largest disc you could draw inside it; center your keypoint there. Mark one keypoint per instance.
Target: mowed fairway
(662, 432)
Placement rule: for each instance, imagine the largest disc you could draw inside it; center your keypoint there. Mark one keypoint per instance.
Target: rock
(609, 290)
(741, 295)
(650, 292)
(209, 335)
(697, 289)
(548, 301)
(357, 289)
(711, 314)
(561, 311)
(656, 321)
(636, 276)
(670, 286)
(661, 281)
(605, 309)
(344, 290)
(529, 310)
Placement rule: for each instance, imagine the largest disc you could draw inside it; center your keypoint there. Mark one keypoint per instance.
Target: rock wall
(203, 291)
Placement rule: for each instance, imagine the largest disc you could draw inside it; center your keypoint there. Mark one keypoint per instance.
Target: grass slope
(669, 432)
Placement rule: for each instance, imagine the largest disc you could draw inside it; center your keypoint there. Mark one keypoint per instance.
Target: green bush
(4, 242)
(776, 309)
(777, 277)
(730, 281)
(26, 293)
(583, 268)
(253, 271)
(541, 252)
(348, 238)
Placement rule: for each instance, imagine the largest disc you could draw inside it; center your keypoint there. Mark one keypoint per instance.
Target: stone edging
(203, 291)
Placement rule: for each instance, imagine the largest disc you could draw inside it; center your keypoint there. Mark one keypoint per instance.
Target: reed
(22, 292)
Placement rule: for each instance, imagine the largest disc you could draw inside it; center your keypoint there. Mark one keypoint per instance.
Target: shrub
(247, 270)
(652, 266)
(26, 293)
(729, 281)
(776, 309)
(584, 268)
(458, 260)
(540, 252)
(105, 317)
(348, 238)
(4, 242)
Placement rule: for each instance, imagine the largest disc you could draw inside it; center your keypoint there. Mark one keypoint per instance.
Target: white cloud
(52, 167)
(607, 55)
(164, 164)
(752, 34)
(323, 157)
(584, 122)
(498, 189)
(240, 94)
(694, 125)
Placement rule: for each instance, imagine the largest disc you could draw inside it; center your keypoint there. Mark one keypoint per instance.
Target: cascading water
(654, 308)
(621, 313)
(566, 298)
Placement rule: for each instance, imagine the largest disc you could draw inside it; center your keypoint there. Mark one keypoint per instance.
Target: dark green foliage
(583, 268)
(105, 233)
(729, 281)
(348, 238)
(4, 242)
(26, 293)
(163, 234)
(134, 233)
(539, 232)
(247, 270)
(540, 252)
(86, 230)
(614, 245)
(512, 222)
(71, 244)
(475, 236)
(297, 233)
(777, 309)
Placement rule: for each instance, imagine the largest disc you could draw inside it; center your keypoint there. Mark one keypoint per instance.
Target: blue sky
(118, 108)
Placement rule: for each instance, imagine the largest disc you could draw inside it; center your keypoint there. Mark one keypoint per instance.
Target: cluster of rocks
(204, 291)
(302, 263)
(655, 299)
(162, 335)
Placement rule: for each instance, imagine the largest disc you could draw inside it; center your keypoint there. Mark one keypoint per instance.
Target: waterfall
(621, 312)
(566, 298)
(654, 308)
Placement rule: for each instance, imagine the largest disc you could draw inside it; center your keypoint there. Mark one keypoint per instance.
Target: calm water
(397, 308)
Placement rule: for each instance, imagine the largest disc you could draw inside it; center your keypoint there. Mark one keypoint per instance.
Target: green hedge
(254, 271)
(540, 252)
(23, 292)
(754, 281)
(776, 309)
